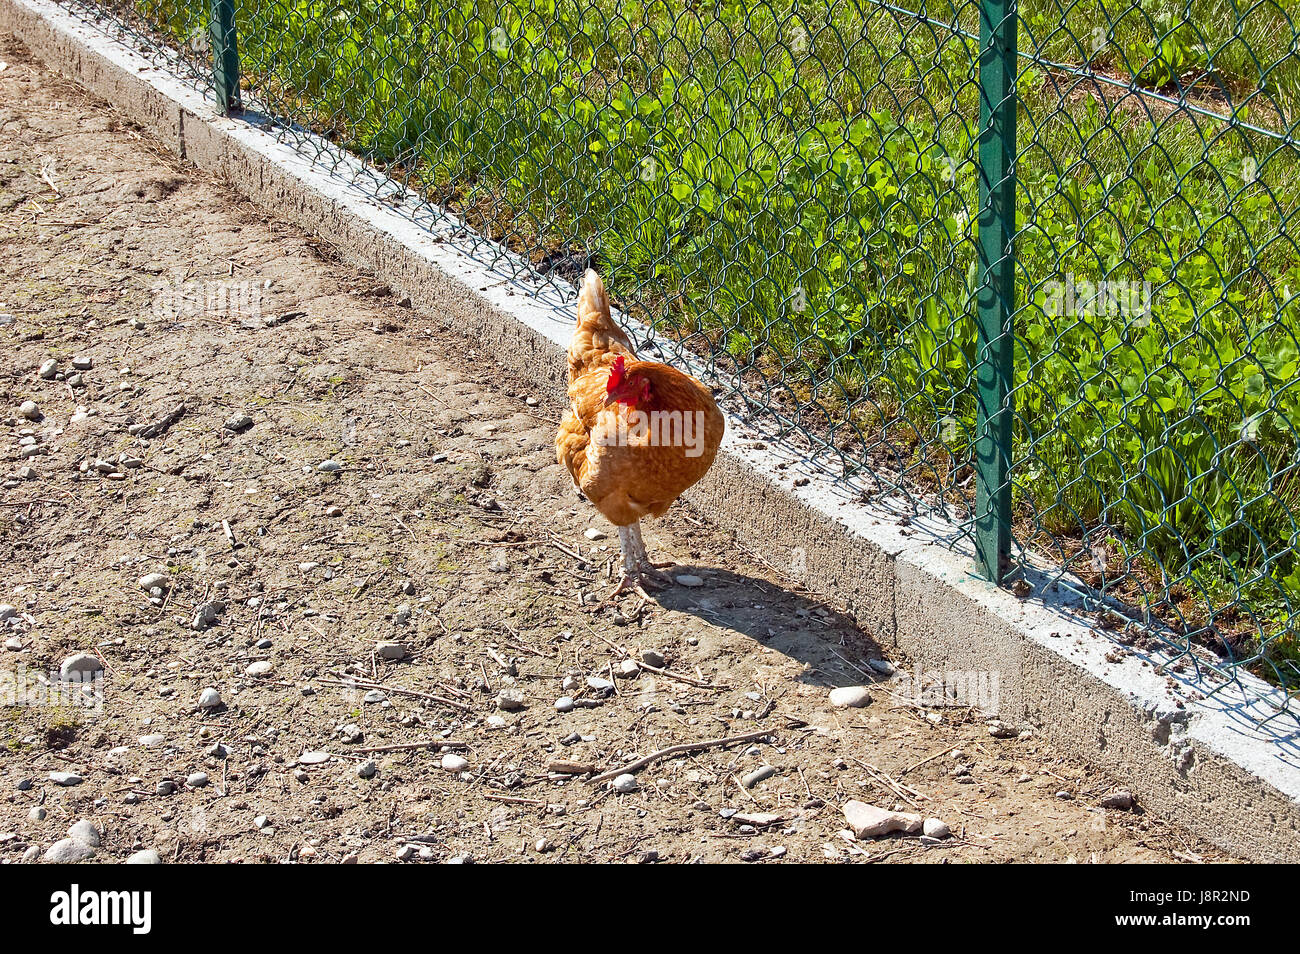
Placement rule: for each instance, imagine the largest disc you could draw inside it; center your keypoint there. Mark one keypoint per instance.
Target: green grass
(790, 187)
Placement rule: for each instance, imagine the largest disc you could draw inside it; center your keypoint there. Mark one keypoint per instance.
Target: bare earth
(449, 491)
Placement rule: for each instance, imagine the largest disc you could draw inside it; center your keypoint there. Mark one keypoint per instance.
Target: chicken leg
(638, 572)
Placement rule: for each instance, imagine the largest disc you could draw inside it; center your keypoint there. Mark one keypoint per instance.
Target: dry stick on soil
(367, 684)
(685, 747)
(407, 747)
(512, 799)
(686, 679)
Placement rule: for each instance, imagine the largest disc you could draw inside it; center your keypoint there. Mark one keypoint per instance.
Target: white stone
(850, 697)
(451, 762)
(868, 821)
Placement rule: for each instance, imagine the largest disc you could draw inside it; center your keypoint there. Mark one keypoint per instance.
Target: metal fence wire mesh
(797, 192)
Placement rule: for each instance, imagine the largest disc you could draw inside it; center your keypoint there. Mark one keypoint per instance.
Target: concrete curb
(1209, 765)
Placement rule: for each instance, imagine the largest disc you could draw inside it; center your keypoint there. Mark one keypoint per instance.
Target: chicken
(637, 433)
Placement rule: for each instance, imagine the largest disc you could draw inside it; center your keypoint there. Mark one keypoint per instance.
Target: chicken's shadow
(831, 647)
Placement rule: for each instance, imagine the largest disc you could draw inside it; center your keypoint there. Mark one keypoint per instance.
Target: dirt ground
(449, 529)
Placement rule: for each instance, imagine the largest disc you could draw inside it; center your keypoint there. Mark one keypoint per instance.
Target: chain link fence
(1034, 275)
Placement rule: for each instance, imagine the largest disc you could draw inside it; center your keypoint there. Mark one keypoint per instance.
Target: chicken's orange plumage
(637, 433)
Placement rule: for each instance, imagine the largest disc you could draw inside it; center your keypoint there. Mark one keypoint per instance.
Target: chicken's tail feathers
(596, 336)
(593, 302)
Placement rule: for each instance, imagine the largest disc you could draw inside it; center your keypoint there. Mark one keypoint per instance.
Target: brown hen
(637, 433)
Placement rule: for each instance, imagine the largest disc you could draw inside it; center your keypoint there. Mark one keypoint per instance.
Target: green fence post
(225, 56)
(996, 301)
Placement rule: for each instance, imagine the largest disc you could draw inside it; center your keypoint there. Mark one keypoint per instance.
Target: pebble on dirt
(689, 580)
(66, 778)
(78, 665)
(153, 580)
(29, 410)
(49, 368)
(209, 699)
(1119, 800)
(759, 774)
(510, 700)
(625, 784)
(69, 851)
(869, 821)
(850, 697)
(451, 762)
(936, 828)
(86, 833)
(391, 651)
(146, 857)
(239, 423)
(329, 467)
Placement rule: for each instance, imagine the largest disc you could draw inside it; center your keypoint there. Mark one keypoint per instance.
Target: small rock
(261, 821)
(82, 363)
(209, 699)
(564, 704)
(86, 833)
(216, 751)
(654, 658)
(66, 778)
(850, 697)
(31, 854)
(153, 580)
(239, 423)
(625, 784)
(149, 741)
(510, 700)
(598, 684)
(69, 851)
(166, 787)
(1002, 730)
(197, 780)
(628, 667)
(351, 734)
(79, 667)
(367, 769)
(882, 666)
(36, 813)
(207, 614)
(259, 668)
(329, 467)
(7, 612)
(49, 368)
(868, 821)
(146, 857)
(402, 613)
(591, 533)
(391, 651)
(689, 579)
(1120, 800)
(405, 853)
(29, 410)
(936, 828)
(759, 774)
(451, 762)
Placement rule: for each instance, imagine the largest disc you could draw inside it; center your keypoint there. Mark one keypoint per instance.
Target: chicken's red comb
(616, 374)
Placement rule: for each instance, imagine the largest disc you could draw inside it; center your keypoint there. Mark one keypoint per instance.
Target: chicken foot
(639, 573)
